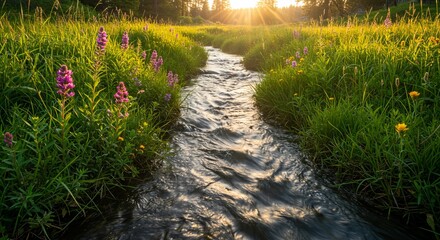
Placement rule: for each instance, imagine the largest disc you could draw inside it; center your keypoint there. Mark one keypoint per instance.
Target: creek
(233, 176)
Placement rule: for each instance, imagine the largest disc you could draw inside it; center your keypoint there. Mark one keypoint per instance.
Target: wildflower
(102, 39)
(434, 40)
(158, 64)
(414, 95)
(297, 55)
(401, 127)
(7, 138)
(305, 50)
(331, 98)
(121, 95)
(172, 79)
(294, 64)
(125, 40)
(167, 97)
(387, 21)
(153, 57)
(120, 139)
(301, 59)
(144, 55)
(145, 124)
(65, 82)
(156, 61)
(295, 95)
(300, 72)
(142, 147)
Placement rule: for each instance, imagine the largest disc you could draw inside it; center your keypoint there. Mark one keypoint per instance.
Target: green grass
(346, 96)
(69, 152)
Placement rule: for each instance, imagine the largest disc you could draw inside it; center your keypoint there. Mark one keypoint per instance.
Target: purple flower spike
(167, 97)
(153, 57)
(102, 39)
(125, 40)
(294, 64)
(65, 82)
(121, 95)
(144, 55)
(158, 64)
(155, 61)
(7, 138)
(387, 21)
(305, 51)
(172, 79)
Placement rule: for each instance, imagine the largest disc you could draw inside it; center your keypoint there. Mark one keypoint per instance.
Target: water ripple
(232, 176)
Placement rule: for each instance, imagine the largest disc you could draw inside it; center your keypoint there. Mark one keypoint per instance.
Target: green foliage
(67, 153)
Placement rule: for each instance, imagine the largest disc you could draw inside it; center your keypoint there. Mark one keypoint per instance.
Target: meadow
(85, 106)
(363, 95)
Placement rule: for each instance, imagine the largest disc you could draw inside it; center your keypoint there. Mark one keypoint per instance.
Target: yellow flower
(331, 98)
(120, 139)
(414, 94)
(295, 95)
(300, 71)
(301, 59)
(401, 127)
(433, 39)
(145, 124)
(142, 147)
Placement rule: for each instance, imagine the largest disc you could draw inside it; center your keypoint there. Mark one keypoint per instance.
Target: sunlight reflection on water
(235, 177)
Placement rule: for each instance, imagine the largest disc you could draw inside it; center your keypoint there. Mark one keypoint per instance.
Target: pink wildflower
(121, 95)
(8, 137)
(65, 82)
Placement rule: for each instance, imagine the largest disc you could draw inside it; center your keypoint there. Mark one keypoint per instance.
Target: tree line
(341, 8)
(187, 11)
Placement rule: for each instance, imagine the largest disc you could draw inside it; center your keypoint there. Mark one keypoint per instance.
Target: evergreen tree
(267, 3)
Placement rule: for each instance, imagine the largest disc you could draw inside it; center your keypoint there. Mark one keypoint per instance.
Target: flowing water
(232, 176)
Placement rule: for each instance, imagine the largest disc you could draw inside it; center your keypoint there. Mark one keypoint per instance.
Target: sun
(237, 4)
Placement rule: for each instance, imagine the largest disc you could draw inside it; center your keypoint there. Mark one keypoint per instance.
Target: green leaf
(430, 221)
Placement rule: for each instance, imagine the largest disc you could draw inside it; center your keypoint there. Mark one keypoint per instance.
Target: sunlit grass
(63, 151)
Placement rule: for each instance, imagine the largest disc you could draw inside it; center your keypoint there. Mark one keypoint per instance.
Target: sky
(253, 3)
